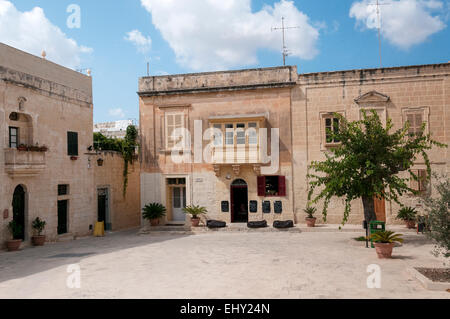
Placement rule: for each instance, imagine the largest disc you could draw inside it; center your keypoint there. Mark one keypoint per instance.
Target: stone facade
(43, 101)
(299, 106)
(49, 101)
(121, 212)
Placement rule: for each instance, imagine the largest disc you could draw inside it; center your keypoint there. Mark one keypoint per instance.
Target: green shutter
(72, 144)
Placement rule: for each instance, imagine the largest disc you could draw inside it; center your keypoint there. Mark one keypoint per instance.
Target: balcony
(24, 163)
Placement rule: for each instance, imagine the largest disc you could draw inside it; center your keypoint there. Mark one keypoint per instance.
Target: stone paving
(251, 265)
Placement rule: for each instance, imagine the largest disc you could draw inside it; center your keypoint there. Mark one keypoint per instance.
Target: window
(331, 127)
(218, 136)
(13, 137)
(176, 181)
(63, 190)
(174, 121)
(415, 120)
(421, 184)
(229, 134)
(72, 144)
(252, 134)
(272, 186)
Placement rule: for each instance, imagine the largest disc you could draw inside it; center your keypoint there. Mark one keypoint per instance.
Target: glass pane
(254, 125)
(218, 137)
(176, 197)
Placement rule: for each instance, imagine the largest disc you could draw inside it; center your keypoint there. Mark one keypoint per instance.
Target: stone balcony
(24, 163)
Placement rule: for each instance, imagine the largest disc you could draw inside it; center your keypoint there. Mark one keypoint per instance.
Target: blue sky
(181, 36)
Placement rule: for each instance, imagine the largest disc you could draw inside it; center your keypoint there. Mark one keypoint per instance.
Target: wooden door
(380, 208)
(62, 217)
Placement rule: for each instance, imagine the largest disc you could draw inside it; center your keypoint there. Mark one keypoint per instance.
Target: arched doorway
(18, 204)
(239, 201)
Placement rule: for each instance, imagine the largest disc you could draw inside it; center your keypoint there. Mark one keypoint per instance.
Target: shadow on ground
(32, 260)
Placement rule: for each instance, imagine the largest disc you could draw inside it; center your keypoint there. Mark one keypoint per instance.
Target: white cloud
(32, 32)
(142, 43)
(117, 113)
(404, 22)
(220, 34)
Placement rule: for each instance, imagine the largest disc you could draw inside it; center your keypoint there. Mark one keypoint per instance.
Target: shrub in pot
(310, 219)
(384, 243)
(39, 226)
(16, 231)
(153, 212)
(408, 215)
(195, 212)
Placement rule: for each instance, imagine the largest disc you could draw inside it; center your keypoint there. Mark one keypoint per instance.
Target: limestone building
(46, 114)
(238, 186)
(47, 166)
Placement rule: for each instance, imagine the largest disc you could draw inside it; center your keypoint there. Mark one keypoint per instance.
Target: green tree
(126, 146)
(438, 217)
(367, 163)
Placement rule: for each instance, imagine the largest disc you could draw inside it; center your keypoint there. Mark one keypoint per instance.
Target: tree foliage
(367, 163)
(438, 217)
(125, 146)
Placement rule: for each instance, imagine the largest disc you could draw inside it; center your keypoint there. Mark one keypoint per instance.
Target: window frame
(262, 186)
(10, 136)
(167, 140)
(323, 129)
(425, 111)
(71, 145)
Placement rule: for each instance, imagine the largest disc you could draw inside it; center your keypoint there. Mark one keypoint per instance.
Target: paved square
(215, 265)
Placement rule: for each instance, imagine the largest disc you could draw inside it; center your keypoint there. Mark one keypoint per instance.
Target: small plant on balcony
(32, 148)
(22, 148)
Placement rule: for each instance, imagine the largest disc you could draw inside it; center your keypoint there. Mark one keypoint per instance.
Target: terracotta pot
(38, 240)
(195, 222)
(13, 245)
(154, 222)
(411, 224)
(311, 222)
(384, 251)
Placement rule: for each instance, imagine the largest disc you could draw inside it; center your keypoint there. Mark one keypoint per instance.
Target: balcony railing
(24, 163)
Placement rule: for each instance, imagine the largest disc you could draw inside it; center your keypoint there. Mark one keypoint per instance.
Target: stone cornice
(45, 87)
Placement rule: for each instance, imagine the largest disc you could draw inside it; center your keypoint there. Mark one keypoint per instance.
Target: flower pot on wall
(384, 251)
(13, 245)
(38, 240)
(100, 162)
(73, 158)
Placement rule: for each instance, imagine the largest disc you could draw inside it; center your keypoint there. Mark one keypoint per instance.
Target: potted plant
(39, 226)
(384, 243)
(153, 212)
(408, 215)
(310, 220)
(16, 231)
(195, 212)
(22, 148)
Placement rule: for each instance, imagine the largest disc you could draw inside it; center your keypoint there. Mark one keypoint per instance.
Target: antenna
(148, 68)
(283, 29)
(378, 4)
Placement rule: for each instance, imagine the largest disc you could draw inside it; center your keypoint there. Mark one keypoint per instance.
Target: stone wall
(407, 87)
(125, 211)
(54, 100)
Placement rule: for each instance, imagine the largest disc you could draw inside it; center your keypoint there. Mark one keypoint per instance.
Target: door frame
(232, 188)
(108, 213)
(25, 209)
(165, 193)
